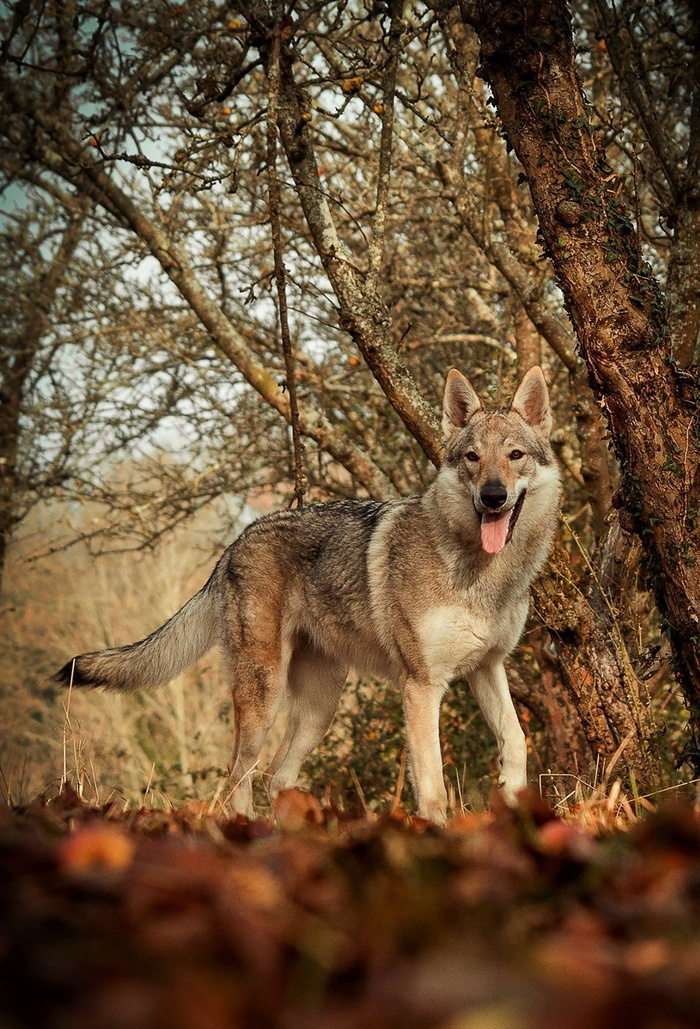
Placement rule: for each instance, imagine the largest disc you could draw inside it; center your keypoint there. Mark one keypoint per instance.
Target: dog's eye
(472, 455)
(515, 455)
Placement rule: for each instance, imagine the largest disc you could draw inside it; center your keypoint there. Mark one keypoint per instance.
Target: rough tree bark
(614, 303)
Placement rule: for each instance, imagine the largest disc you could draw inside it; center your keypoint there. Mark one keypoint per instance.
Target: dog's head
(498, 456)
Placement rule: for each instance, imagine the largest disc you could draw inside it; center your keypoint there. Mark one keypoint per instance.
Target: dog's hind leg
(490, 687)
(315, 685)
(258, 686)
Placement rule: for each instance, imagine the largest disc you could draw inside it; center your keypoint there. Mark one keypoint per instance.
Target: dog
(420, 591)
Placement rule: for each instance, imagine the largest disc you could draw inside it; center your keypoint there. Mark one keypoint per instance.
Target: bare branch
(16, 360)
(280, 275)
(631, 72)
(362, 311)
(376, 243)
(92, 180)
(528, 291)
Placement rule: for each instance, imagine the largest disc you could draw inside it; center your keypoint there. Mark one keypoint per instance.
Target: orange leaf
(295, 809)
(98, 846)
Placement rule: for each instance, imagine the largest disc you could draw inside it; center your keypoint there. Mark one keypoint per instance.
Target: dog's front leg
(490, 687)
(421, 704)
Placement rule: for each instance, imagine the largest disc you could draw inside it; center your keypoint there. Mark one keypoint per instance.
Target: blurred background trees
(144, 385)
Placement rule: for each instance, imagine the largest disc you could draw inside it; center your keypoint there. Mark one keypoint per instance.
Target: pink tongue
(494, 531)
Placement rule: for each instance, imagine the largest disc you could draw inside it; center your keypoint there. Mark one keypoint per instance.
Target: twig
(618, 753)
(215, 798)
(400, 780)
(376, 243)
(150, 780)
(459, 789)
(360, 792)
(94, 782)
(66, 723)
(280, 273)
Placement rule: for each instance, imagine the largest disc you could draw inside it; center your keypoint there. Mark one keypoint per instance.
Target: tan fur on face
(493, 438)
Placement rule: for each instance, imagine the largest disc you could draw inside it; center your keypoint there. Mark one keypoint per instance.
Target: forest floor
(145, 919)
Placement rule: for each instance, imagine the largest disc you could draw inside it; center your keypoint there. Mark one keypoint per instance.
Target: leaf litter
(323, 920)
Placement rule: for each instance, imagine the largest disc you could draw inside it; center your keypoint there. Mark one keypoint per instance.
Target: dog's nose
(493, 495)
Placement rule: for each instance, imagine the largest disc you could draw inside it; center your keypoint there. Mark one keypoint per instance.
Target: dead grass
(172, 742)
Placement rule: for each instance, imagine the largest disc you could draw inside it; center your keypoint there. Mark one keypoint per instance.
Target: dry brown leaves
(515, 920)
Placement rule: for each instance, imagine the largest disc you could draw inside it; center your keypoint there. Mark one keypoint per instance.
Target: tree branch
(362, 312)
(280, 275)
(18, 356)
(631, 73)
(76, 167)
(683, 287)
(528, 291)
(376, 243)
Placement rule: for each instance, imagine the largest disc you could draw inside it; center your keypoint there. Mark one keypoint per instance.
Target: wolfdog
(420, 591)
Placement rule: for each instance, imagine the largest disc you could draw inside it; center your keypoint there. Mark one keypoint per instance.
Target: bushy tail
(158, 658)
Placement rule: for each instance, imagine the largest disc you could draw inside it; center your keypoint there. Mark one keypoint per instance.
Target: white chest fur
(455, 639)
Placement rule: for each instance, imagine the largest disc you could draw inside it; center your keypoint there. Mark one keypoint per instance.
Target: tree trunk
(614, 303)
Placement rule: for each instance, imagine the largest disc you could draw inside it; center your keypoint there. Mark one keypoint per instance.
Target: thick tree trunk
(614, 303)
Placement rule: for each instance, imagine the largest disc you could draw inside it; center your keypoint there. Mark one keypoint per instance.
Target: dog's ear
(531, 402)
(459, 404)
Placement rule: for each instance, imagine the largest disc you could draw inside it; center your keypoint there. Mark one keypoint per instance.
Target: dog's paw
(434, 811)
(511, 790)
